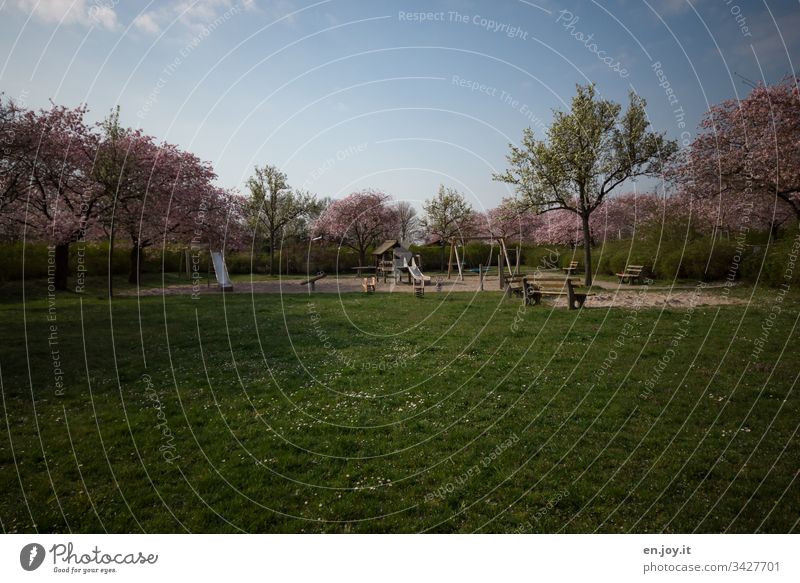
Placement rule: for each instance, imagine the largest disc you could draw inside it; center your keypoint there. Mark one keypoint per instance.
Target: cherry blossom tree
(156, 192)
(747, 151)
(558, 227)
(56, 199)
(17, 146)
(359, 221)
(509, 220)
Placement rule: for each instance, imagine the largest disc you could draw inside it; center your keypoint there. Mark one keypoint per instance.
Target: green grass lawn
(380, 413)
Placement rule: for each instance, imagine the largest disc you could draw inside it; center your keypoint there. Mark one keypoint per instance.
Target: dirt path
(607, 294)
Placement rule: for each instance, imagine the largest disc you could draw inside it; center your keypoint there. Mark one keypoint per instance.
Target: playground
(396, 271)
(609, 294)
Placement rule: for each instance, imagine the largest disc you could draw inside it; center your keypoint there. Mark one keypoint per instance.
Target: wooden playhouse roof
(385, 246)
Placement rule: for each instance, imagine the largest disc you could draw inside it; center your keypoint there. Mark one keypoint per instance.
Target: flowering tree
(225, 225)
(358, 221)
(731, 211)
(748, 151)
(177, 203)
(448, 216)
(156, 192)
(589, 151)
(16, 148)
(626, 215)
(509, 220)
(62, 181)
(55, 198)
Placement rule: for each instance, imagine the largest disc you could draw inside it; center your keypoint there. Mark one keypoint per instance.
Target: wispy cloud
(192, 14)
(91, 14)
(146, 22)
(672, 7)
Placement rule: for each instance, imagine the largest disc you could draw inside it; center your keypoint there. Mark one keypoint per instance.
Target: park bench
(311, 281)
(632, 274)
(368, 284)
(514, 285)
(532, 289)
(572, 268)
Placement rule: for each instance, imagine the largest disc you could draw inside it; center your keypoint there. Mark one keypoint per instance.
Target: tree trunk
(774, 231)
(136, 264)
(271, 253)
(362, 256)
(441, 266)
(111, 261)
(587, 250)
(61, 266)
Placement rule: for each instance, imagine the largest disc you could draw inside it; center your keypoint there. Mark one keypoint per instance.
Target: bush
(781, 262)
(668, 258)
(34, 256)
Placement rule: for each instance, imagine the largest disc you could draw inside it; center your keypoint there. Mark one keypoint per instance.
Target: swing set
(502, 255)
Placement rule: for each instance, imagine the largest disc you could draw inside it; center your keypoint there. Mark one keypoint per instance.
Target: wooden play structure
(391, 259)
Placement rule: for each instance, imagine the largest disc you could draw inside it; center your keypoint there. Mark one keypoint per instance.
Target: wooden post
(458, 264)
(570, 295)
(500, 269)
(480, 275)
(505, 255)
(450, 261)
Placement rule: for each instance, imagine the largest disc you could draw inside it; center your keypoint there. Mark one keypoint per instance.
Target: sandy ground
(606, 294)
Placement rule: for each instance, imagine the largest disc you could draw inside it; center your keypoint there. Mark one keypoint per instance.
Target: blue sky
(400, 96)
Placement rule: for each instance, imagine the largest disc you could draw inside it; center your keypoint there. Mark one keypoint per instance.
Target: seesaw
(312, 280)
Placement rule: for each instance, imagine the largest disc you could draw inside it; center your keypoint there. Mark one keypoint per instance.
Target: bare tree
(408, 223)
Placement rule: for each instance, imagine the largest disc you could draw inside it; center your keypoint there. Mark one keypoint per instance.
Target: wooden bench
(368, 284)
(514, 285)
(532, 289)
(632, 274)
(572, 268)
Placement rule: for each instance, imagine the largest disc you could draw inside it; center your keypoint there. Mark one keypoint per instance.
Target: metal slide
(221, 271)
(415, 272)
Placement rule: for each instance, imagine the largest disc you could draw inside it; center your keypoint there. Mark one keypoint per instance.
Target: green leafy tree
(448, 215)
(274, 207)
(588, 152)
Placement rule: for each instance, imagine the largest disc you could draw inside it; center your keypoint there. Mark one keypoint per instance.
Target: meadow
(386, 413)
